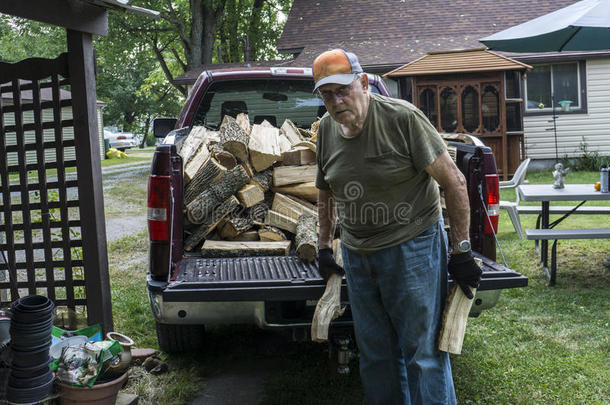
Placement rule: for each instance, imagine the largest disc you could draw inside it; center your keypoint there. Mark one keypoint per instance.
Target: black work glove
(327, 265)
(465, 272)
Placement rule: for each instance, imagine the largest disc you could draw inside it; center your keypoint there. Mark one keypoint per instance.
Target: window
(561, 80)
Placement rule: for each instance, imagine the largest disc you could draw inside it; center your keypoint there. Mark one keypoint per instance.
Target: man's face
(346, 103)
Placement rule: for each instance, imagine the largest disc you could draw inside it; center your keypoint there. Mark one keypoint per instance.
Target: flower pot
(25, 372)
(29, 382)
(100, 394)
(32, 308)
(125, 356)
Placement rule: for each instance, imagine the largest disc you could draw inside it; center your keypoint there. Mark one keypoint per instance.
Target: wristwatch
(462, 247)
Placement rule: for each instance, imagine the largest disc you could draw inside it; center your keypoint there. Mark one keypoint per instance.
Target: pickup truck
(188, 291)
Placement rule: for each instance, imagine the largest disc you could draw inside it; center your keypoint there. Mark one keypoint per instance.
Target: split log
(244, 122)
(234, 227)
(306, 238)
(226, 159)
(308, 144)
(305, 133)
(299, 155)
(264, 147)
(455, 317)
(210, 222)
(285, 144)
(329, 305)
(258, 212)
(210, 172)
(285, 175)
(291, 132)
(244, 249)
(192, 143)
(264, 179)
(250, 195)
(248, 236)
(233, 138)
(218, 192)
(281, 221)
(196, 161)
(271, 233)
(307, 204)
(307, 191)
(291, 208)
(248, 168)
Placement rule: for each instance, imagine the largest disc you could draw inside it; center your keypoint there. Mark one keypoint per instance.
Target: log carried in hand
(455, 317)
(204, 204)
(210, 222)
(329, 305)
(233, 138)
(306, 238)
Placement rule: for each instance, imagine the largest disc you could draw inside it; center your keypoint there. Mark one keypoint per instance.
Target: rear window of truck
(273, 100)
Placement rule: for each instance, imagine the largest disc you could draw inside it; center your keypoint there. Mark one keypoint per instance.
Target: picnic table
(545, 230)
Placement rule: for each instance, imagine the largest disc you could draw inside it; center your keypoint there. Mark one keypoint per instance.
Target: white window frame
(550, 108)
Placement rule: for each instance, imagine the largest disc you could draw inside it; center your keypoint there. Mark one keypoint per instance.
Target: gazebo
(472, 91)
(52, 230)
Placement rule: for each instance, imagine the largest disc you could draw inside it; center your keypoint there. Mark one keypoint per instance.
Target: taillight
(158, 208)
(121, 137)
(492, 200)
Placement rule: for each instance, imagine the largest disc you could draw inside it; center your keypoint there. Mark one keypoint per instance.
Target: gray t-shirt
(383, 194)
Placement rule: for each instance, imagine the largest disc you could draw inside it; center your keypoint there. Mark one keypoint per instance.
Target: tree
(190, 31)
(21, 39)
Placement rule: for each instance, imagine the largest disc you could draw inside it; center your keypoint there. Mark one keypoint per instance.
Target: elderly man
(378, 159)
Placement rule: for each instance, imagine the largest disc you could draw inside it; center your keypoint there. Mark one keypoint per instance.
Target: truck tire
(179, 338)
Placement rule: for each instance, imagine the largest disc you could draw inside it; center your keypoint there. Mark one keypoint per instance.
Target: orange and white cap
(336, 66)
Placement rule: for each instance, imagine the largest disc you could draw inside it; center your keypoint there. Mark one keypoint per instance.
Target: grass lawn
(539, 345)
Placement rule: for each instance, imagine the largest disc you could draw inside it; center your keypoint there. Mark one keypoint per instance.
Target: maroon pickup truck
(187, 291)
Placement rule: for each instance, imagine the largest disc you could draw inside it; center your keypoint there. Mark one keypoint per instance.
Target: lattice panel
(40, 234)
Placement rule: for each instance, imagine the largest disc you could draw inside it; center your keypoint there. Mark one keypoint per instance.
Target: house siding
(594, 126)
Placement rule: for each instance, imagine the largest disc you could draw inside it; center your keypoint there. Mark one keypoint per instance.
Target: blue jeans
(397, 296)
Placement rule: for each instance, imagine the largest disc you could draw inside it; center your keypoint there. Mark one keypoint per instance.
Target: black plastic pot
(30, 382)
(29, 372)
(29, 395)
(32, 309)
(31, 357)
(25, 341)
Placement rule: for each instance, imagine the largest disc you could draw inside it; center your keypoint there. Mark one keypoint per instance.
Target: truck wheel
(179, 338)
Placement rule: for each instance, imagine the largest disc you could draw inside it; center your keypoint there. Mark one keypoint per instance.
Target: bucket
(99, 394)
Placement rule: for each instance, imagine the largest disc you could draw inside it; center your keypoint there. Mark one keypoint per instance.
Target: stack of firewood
(249, 190)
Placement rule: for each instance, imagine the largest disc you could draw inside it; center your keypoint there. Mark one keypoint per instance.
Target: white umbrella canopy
(583, 26)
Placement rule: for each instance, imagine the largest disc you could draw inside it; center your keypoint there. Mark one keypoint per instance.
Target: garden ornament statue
(558, 174)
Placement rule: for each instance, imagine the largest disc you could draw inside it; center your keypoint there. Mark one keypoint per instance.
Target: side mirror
(163, 126)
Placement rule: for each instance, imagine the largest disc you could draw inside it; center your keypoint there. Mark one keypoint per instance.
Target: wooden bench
(556, 234)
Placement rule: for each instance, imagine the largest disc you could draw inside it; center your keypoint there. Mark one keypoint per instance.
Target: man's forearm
(327, 219)
(458, 210)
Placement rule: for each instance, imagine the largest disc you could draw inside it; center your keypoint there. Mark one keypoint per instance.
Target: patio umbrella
(583, 26)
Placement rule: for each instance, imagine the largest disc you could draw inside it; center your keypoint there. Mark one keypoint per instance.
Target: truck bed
(279, 278)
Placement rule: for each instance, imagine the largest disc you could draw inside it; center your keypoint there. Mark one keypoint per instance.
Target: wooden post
(86, 138)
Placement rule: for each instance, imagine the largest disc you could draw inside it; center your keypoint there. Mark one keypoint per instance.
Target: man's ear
(364, 81)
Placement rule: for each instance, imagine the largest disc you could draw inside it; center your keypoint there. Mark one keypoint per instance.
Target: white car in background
(119, 140)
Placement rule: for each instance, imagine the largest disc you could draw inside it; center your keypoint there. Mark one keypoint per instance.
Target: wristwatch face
(464, 246)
